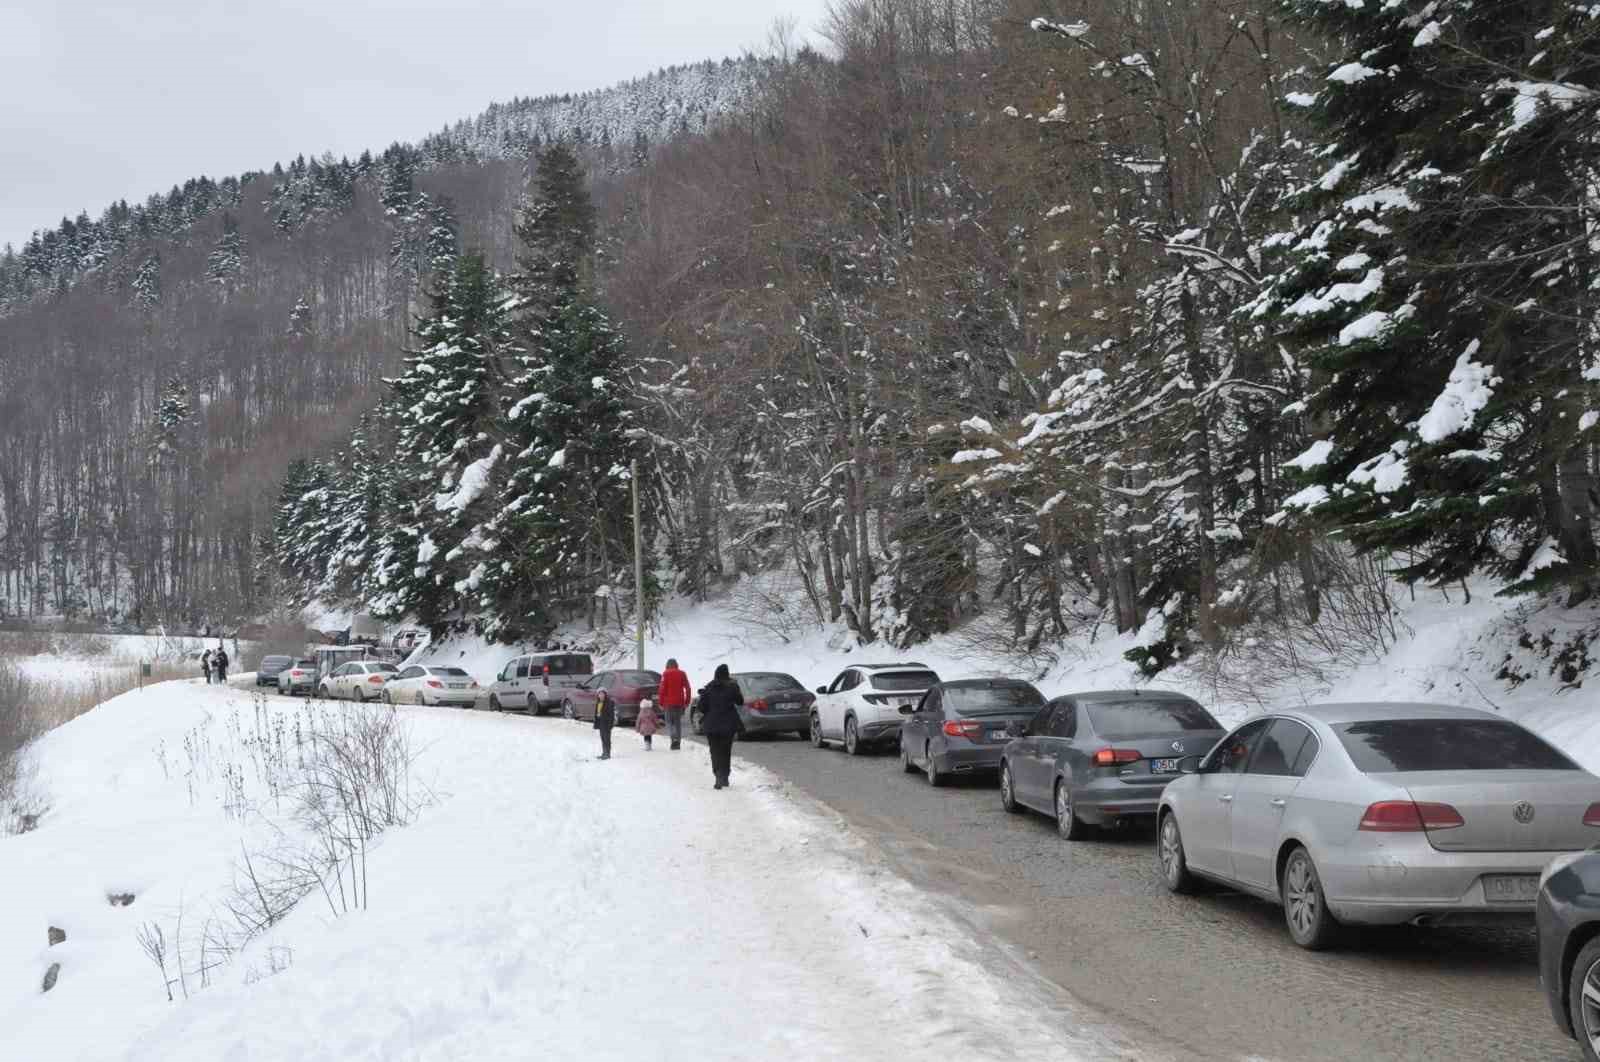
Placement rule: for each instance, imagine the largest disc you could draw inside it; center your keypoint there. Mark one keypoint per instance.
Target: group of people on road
(719, 716)
(214, 665)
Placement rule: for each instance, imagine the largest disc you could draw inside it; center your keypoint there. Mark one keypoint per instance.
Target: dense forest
(1206, 320)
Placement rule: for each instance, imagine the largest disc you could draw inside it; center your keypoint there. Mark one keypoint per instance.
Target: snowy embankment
(540, 905)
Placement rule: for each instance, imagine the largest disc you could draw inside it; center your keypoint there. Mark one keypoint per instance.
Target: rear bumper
(774, 722)
(978, 759)
(1408, 880)
(1105, 800)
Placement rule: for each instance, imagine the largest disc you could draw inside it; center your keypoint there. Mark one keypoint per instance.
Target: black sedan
(1569, 944)
(960, 727)
(774, 703)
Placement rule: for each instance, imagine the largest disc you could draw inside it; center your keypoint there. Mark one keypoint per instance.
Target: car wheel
(567, 711)
(388, 698)
(323, 694)
(1169, 852)
(1583, 998)
(905, 760)
(803, 735)
(852, 740)
(1008, 795)
(1305, 908)
(816, 732)
(494, 703)
(935, 779)
(1068, 825)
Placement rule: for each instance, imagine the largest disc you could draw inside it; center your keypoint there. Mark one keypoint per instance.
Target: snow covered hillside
(540, 905)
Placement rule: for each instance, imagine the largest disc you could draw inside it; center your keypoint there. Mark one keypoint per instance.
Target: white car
(361, 680)
(430, 685)
(861, 706)
(300, 675)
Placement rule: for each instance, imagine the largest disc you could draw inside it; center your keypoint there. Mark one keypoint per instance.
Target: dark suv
(267, 672)
(1568, 913)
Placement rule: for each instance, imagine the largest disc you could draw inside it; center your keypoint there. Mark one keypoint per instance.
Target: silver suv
(538, 681)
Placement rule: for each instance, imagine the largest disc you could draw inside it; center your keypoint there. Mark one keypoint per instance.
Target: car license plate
(1000, 734)
(1164, 766)
(1511, 888)
(458, 685)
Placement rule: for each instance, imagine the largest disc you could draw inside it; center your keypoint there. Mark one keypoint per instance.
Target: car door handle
(1226, 798)
(1278, 802)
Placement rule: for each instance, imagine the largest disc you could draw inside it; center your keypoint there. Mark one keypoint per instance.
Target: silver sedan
(1377, 814)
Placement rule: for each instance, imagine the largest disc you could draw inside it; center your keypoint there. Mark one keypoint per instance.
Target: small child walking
(605, 717)
(648, 722)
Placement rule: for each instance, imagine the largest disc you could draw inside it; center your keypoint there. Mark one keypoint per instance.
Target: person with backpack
(719, 718)
(605, 717)
(219, 664)
(673, 695)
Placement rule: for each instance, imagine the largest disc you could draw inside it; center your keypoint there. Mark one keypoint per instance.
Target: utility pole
(638, 568)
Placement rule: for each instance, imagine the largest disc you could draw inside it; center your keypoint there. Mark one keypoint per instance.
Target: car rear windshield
(304, 663)
(904, 680)
(453, 672)
(992, 700)
(564, 664)
(1147, 717)
(638, 678)
(382, 667)
(275, 660)
(762, 683)
(1386, 745)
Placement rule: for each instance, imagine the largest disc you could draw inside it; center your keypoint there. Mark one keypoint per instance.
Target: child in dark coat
(605, 717)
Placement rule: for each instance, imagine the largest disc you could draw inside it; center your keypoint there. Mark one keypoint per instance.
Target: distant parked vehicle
(432, 686)
(300, 675)
(538, 681)
(267, 671)
(1568, 916)
(1102, 758)
(962, 727)
(861, 706)
(1378, 814)
(625, 688)
(361, 680)
(774, 703)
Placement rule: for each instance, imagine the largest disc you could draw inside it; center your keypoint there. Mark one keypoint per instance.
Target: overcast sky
(117, 99)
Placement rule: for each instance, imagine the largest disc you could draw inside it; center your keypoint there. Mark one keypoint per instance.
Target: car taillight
(759, 704)
(375, 679)
(1406, 816)
(963, 728)
(1107, 757)
(1592, 816)
(547, 674)
(436, 684)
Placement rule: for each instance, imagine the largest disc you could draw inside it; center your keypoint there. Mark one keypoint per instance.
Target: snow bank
(547, 906)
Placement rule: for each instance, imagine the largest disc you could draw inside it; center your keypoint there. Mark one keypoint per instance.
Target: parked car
(300, 675)
(1568, 916)
(861, 706)
(626, 688)
(774, 703)
(1104, 757)
(361, 680)
(538, 681)
(961, 727)
(431, 685)
(267, 670)
(1378, 814)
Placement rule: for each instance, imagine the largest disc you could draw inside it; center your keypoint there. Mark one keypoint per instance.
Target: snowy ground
(1448, 651)
(545, 905)
(78, 658)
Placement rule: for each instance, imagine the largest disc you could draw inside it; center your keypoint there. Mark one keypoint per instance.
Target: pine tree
(225, 262)
(147, 282)
(1442, 290)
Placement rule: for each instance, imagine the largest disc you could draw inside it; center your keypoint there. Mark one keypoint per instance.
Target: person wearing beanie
(720, 702)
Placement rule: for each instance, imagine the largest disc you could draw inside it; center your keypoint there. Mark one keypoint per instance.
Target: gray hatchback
(962, 727)
(1095, 759)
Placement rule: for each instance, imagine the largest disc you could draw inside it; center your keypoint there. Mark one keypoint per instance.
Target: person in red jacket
(673, 695)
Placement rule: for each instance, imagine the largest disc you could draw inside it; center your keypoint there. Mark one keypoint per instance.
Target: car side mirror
(906, 709)
(822, 689)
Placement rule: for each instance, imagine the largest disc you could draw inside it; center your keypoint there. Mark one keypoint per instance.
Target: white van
(537, 681)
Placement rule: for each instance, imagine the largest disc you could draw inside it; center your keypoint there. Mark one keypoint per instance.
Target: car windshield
(760, 684)
(992, 700)
(564, 664)
(1385, 745)
(452, 672)
(904, 680)
(638, 678)
(1146, 717)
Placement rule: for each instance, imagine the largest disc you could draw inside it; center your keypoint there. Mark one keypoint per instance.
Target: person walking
(648, 722)
(674, 696)
(719, 718)
(205, 665)
(605, 717)
(219, 664)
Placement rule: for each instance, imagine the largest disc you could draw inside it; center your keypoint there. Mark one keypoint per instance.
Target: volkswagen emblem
(1522, 811)
(1177, 746)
